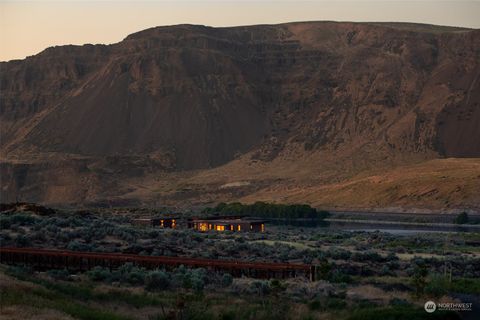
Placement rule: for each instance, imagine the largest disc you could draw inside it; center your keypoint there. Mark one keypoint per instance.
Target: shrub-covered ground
(362, 275)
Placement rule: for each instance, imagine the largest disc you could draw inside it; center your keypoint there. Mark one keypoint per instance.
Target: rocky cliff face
(191, 97)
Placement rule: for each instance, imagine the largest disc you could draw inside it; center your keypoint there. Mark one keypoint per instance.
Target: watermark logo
(430, 306)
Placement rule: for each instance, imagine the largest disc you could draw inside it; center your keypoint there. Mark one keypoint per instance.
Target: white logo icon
(430, 306)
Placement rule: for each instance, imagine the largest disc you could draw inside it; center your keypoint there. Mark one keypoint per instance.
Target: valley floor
(362, 275)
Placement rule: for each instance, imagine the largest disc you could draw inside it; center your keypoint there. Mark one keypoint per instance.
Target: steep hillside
(93, 123)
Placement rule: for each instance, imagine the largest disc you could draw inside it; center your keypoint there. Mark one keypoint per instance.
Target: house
(165, 222)
(236, 224)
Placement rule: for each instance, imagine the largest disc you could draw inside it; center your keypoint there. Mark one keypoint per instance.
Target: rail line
(82, 261)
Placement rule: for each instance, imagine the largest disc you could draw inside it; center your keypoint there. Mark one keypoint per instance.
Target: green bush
(135, 277)
(22, 241)
(339, 277)
(99, 274)
(157, 281)
(260, 287)
(419, 276)
(437, 285)
(227, 280)
(466, 285)
(57, 274)
(198, 279)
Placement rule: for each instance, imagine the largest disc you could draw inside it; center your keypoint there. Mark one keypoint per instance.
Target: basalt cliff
(338, 115)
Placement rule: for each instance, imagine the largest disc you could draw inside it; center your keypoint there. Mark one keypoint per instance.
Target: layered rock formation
(168, 100)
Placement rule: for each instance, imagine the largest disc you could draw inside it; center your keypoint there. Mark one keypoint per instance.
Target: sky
(28, 27)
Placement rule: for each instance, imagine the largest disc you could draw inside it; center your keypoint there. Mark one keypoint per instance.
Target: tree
(462, 218)
(323, 269)
(419, 277)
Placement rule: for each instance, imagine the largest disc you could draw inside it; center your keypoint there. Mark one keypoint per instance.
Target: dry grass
(17, 312)
(21, 311)
(441, 183)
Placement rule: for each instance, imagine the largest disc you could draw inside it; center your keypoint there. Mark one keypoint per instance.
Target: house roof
(230, 221)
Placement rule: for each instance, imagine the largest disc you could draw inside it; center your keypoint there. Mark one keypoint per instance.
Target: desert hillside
(350, 115)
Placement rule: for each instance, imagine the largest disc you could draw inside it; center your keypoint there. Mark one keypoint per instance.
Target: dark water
(398, 229)
(304, 223)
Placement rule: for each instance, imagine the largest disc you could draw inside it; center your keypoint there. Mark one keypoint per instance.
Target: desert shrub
(338, 276)
(52, 229)
(437, 285)
(385, 271)
(277, 286)
(59, 274)
(23, 219)
(157, 280)
(367, 256)
(393, 265)
(130, 274)
(78, 246)
(399, 302)
(391, 257)
(22, 241)
(260, 287)
(419, 276)
(197, 310)
(399, 313)
(400, 249)
(227, 280)
(16, 220)
(323, 269)
(5, 222)
(307, 259)
(99, 274)
(4, 238)
(315, 305)
(466, 285)
(338, 254)
(190, 279)
(335, 303)
(198, 278)
(135, 277)
(19, 272)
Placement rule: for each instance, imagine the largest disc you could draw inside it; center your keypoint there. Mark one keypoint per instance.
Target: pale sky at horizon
(28, 27)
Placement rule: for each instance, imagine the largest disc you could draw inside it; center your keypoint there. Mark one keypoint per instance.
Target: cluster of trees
(462, 218)
(268, 210)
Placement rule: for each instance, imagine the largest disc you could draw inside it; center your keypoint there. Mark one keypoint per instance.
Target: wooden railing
(82, 261)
